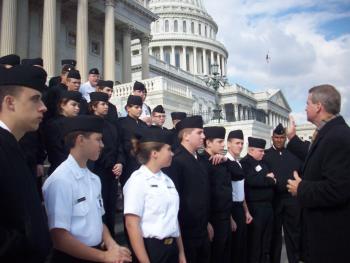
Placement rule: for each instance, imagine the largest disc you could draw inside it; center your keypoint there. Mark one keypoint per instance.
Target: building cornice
(140, 8)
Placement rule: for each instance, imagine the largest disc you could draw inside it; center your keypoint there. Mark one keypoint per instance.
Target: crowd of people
(189, 195)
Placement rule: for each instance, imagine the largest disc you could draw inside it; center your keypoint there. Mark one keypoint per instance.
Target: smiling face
(235, 146)
(279, 141)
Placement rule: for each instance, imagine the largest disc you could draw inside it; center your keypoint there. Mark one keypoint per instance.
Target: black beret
(190, 122)
(105, 83)
(94, 71)
(154, 135)
(215, 132)
(256, 142)
(54, 81)
(178, 115)
(67, 68)
(74, 74)
(134, 100)
(10, 60)
(33, 61)
(236, 134)
(70, 62)
(139, 86)
(99, 96)
(279, 129)
(71, 95)
(84, 123)
(23, 75)
(159, 109)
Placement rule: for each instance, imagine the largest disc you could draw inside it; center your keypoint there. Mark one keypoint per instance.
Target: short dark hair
(70, 138)
(142, 151)
(328, 96)
(91, 105)
(11, 90)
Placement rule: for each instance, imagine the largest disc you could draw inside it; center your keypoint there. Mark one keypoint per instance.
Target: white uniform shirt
(4, 126)
(73, 202)
(153, 197)
(85, 89)
(145, 111)
(237, 186)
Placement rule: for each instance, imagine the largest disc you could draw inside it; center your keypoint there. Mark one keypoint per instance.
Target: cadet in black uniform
(220, 176)
(9, 61)
(106, 86)
(67, 64)
(176, 117)
(23, 227)
(286, 208)
(68, 106)
(259, 188)
(73, 84)
(192, 182)
(128, 126)
(110, 164)
(158, 117)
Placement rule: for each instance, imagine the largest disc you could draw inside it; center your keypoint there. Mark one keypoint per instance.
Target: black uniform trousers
(286, 214)
(239, 237)
(260, 232)
(159, 251)
(221, 244)
(197, 250)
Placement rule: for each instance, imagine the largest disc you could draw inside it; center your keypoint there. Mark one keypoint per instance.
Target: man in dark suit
(24, 235)
(324, 190)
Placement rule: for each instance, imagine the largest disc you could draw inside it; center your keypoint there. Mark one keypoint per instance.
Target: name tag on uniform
(81, 199)
(154, 185)
(170, 187)
(258, 168)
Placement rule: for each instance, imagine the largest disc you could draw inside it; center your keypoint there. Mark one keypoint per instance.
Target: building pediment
(279, 99)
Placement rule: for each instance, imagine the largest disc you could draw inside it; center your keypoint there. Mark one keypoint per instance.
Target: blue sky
(308, 42)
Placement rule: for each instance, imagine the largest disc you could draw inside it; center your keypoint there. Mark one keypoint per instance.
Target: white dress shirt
(73, 202)
(85, 89)
(237, 186)
(4, 126)
(153, 197)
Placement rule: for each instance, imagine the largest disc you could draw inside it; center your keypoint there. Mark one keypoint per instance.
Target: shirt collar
(78, 172)
(149, 174)
(324, 122)
(230, 157)
(4, 126)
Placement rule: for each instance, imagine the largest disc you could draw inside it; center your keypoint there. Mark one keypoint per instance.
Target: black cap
(84, 123)
(23, 75)
(236, 134)
(139, 86)
(99, 96)
(178, 115)
(74, 74)
(105, 83)
(70, 62)
(256, 142)
(190, 122)
(12, 60)
(33, 61)
(154, 135)
(54, 81)
(66, 68)
(94, 71)
(215, 132)
(158, 109)
(279, 129)
(71, 95)
(134, 100)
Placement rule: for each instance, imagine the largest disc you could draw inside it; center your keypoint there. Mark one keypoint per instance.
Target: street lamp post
(215, 81)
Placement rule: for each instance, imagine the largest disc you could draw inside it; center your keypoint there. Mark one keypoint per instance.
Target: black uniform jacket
(324, 192)
(282, 163)
(191, 179)
(24, 235)
(112, 114)
(258, 187)
(220, 177)
(128, 127)
(54, 141)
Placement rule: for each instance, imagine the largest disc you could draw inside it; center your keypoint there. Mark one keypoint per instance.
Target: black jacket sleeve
(298, 147)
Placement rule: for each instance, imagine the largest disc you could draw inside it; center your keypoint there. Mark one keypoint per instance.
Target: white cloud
(301, 56)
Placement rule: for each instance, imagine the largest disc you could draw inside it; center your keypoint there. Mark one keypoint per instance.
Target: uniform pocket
(81, 209)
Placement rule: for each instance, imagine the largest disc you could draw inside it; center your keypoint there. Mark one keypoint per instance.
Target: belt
(168, 241)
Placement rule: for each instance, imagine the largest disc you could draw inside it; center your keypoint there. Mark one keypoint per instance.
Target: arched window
(184, 26)
(192, 27)
(206, 31)
(176, 26)
(166, 26)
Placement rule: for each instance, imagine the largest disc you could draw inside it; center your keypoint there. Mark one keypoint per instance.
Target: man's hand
(210, 232)
(248, 218)
(271, 175)
(117, 169)
(291, 129)
(217, 159)
(233, 224)
(39, 170)
(293, 184)
(117, 254)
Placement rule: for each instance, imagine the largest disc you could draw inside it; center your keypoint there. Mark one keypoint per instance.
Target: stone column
(184, 58)
(22, 38)
(49, 37)
(151, 51)
(109, 42)
(161, 53)
(82, 39)
(218, 62)
(58, 65)
(172, 56)
(236, 112)
(127, 55)
(205, 64)
(223, 66)
(145, 56)
(8, 27)
(211, 60)
(195, 65)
